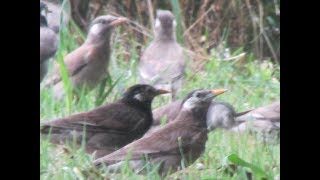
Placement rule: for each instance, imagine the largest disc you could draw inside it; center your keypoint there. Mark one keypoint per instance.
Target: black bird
(163, 63)
(48, 41)
(88, 64)
(179, 142)
(109, 127)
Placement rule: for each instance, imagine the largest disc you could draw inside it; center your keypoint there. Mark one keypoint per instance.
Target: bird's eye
(198, 95)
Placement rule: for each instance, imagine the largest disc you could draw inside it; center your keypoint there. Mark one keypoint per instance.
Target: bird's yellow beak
(216, 92)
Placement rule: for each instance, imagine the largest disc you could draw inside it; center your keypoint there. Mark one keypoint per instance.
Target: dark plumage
(108, 127)
(180, 141)
(48, 41)
(163, 63)
(88, 64)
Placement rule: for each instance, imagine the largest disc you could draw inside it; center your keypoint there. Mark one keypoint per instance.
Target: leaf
(235, 159)
(101, 97)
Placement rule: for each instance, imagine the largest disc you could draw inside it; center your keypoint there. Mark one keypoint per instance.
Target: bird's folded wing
(270, 113)
(107, 119)
(167, 144)
(48, 44)
(75, 62)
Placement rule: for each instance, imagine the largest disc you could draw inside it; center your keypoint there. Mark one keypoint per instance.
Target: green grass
(251, 84)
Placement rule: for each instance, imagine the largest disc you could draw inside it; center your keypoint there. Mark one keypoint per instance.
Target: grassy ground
(251, 84)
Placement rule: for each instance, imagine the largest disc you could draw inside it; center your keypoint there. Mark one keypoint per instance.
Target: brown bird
(179, 142)
(88, 64)
(163, 63)
(109, 127)
(48, 41)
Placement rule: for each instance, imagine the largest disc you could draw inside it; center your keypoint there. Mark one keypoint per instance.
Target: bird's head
(200, 98)
(102, 25)
(165, 25)
(142, 93)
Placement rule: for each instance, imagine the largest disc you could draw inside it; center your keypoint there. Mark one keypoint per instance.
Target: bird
(88, 64)
(263, 121)
(179, 142)
(108, 127)
(53, 18)
(48, 41)
(270, 112)
(163, 62)
(266, 131)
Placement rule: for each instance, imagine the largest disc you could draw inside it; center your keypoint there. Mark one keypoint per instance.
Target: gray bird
(163, 63)
(179, 142)
(88, 64)
(269, 112)
(263, 121)
(109, 127)
(48, 41)
(266, 131)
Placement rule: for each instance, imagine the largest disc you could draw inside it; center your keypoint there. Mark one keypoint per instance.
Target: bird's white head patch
(138, 97)
(157, 23)
(96, 29)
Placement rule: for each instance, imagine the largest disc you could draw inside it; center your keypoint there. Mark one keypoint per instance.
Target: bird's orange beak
(216, 92)
(118, 21)
(162, 91)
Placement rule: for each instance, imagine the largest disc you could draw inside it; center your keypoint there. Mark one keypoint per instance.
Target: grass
(251, 84)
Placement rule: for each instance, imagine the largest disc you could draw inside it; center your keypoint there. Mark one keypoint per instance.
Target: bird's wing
(270, 112)
(169, 111)
(107, 119)
(75, 62)
(48, 44)
(168, 140)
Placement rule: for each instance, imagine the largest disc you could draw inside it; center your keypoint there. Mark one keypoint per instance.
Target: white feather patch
(190, 103)
(95, 29)
(138, 97)
(174, 23)
(158, 23)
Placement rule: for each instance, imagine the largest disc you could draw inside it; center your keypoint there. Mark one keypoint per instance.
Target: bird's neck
(198, 117)
(165, 36)
(98, 40)
(144, 106)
